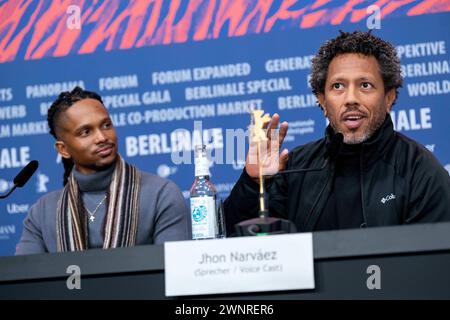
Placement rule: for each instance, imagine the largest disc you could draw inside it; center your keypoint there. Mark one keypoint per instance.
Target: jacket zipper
(317, 200)
(361, 179)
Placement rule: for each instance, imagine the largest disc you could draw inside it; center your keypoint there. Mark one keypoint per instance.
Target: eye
(337, 86)
(84, 132)
(366, 85)
(107, 124)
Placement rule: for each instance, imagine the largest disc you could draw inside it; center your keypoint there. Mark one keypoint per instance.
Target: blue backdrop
(162, 65)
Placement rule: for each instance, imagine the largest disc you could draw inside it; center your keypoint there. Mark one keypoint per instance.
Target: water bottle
(207, 220)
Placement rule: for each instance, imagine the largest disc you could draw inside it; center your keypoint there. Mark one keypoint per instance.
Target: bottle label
(203, 217)
(201, 167)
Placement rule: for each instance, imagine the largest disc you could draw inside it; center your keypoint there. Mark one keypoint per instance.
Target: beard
(362, 133)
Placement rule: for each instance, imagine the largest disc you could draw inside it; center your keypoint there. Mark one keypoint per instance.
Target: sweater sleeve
(172, 220)
(31, 241)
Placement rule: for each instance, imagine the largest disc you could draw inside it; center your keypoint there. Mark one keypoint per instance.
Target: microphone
(23, 176)
(330, 155)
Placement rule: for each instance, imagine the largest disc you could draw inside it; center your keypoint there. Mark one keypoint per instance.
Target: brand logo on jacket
(387, 198)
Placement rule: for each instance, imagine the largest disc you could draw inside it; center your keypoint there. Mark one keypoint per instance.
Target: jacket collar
(376, 146)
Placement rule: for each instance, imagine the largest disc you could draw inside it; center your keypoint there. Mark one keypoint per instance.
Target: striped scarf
(120, 225)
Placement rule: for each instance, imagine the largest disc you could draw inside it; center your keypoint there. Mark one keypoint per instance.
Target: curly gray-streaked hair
(357, 42)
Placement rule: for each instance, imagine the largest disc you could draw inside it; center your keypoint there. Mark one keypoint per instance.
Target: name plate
(245, 264)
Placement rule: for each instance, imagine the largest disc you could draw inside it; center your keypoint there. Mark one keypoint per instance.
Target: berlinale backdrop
(161, 65)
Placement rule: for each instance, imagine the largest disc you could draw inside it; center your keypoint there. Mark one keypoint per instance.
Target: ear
(321, 98)
(389, 99)
(62, 150)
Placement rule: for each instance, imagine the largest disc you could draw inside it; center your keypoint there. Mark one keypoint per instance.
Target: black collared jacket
(401, 183)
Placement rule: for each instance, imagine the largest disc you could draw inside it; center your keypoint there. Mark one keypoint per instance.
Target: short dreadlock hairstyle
(64, 101)
(357, 42)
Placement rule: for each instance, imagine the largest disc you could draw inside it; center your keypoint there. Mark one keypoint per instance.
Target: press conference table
(414, 263)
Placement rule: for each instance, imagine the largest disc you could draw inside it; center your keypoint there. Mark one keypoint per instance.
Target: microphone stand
(263, 213)
(22, 177)
(266, 225)
(3, 196)
(263, 225)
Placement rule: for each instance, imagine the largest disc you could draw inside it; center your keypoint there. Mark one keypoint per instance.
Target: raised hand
(270, 157)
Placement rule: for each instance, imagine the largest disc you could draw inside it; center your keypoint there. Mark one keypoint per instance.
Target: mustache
(104, 146)
(353, 111)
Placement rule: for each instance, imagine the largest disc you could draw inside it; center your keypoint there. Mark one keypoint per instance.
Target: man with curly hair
(377, 177)
(106, 202)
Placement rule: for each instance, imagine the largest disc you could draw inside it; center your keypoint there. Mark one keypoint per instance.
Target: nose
(100, 136)
(351, 96)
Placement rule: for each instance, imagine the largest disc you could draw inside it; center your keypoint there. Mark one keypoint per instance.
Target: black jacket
(401, 183)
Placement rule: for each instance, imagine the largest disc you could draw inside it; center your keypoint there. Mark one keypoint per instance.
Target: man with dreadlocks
(105, 202)
(379, 177)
